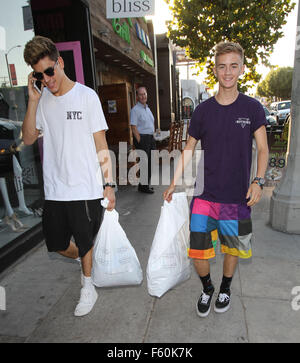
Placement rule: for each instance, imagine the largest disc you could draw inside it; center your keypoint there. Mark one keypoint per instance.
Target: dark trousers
(147, 144)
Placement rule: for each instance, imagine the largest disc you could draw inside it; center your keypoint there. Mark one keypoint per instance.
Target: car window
(284, 105)
(267, 113)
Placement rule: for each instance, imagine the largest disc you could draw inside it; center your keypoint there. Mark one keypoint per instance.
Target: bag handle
(104, 202)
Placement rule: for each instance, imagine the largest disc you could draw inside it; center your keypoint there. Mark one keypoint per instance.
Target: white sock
(87, 281)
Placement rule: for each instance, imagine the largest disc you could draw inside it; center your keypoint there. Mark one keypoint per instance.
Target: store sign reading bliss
(129, 8)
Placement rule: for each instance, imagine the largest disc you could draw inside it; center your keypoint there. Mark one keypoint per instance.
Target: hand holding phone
(38, 86)
(35, 88)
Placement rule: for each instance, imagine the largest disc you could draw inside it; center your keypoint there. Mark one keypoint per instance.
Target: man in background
(142, 125)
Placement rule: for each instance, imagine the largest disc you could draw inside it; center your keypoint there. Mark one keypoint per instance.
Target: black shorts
(80, 219)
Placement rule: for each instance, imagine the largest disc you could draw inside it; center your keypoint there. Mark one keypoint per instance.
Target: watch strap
(257, 180)
(112, 185)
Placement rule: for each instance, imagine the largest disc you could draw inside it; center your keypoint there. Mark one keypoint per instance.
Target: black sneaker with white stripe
(203, 304)
(222, 303)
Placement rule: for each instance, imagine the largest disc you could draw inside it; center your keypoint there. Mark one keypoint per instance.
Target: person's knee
(71, 251)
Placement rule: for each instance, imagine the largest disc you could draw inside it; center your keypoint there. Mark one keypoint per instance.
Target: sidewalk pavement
(42, 292)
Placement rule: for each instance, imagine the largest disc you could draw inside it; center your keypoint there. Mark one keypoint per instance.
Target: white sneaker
(88, 297)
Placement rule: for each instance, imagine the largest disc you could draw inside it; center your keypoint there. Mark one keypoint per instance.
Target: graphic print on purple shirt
(226, 134)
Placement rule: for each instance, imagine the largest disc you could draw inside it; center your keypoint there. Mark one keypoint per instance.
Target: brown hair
(39, 48)
(228, 47)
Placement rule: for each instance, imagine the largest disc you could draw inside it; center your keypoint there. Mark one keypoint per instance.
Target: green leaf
(198, 25)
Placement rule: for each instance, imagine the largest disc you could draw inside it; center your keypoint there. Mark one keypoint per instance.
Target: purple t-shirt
(226, 134)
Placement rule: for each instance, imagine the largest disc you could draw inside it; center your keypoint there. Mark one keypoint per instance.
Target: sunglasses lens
(49, 72)
(39, 76)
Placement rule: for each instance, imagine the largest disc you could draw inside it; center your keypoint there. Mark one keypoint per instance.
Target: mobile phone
(38, 86)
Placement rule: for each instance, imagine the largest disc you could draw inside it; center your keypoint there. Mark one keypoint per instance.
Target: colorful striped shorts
(231, 222)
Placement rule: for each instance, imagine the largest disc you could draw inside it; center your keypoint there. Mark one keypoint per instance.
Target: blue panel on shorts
(201, 223)
(229, 228)
(198, 223)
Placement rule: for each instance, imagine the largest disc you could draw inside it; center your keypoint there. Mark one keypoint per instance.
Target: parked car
(271, 120)
(282, 110)
(273, 106)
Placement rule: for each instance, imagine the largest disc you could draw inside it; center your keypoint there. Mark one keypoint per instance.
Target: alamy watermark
(134, 167)
(296, 300)
(2, 298)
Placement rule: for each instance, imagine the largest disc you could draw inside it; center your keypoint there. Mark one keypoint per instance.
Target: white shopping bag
(168, 263)
(115, 262)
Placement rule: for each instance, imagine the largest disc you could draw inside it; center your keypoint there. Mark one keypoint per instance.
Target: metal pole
(8, 70)
(188, 71)
(285, 201)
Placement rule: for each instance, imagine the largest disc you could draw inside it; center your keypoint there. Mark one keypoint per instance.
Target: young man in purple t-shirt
(226, 125)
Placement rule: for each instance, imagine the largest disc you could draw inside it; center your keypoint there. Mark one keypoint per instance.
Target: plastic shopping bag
(115, 262)
(168, 263)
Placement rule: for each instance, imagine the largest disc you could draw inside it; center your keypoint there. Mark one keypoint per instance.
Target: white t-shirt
(70, 165)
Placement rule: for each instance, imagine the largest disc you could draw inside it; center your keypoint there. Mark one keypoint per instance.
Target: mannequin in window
(11, 218)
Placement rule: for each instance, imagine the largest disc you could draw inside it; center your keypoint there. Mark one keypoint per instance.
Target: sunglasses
(49, 72)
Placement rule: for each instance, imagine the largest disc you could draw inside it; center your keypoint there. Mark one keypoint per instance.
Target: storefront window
(21, 185)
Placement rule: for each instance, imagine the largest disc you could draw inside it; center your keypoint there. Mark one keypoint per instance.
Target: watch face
(262, 181)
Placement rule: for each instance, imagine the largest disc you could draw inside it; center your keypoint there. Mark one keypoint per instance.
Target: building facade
(124, 54)
(166, 80)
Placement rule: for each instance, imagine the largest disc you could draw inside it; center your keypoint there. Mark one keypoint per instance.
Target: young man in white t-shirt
(71, 119)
